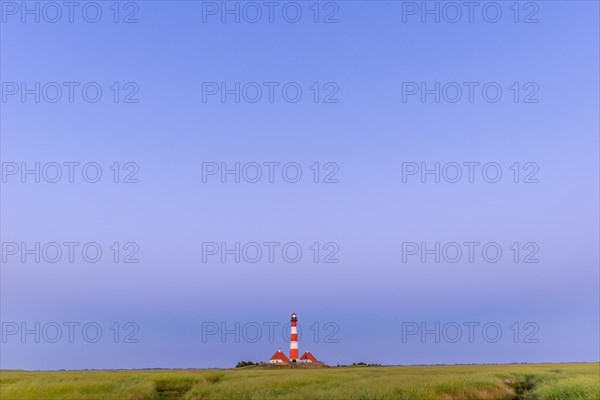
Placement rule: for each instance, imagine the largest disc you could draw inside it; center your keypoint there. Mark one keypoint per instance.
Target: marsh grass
(461, 382)
(172, 388)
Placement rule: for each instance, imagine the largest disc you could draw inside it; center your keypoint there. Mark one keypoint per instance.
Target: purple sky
(361, 212)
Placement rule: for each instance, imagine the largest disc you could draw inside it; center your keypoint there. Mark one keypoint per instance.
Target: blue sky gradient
(369, 133)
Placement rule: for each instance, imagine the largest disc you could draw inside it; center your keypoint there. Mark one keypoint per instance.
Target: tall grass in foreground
(481, 382)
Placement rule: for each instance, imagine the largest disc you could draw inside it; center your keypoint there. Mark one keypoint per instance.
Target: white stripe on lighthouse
(294, 345)
(294, 330)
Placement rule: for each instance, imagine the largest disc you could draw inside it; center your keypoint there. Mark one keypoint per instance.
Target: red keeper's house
(279, 358)
(307, 357)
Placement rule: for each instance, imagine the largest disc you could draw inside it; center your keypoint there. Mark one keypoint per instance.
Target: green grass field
(518, 381)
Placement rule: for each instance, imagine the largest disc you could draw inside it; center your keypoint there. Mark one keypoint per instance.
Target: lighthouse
(279, 357)
(294, 339)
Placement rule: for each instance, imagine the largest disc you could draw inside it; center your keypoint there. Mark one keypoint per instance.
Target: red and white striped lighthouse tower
(294, 339)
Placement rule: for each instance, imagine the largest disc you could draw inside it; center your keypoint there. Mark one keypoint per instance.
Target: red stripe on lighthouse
(294, 339)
